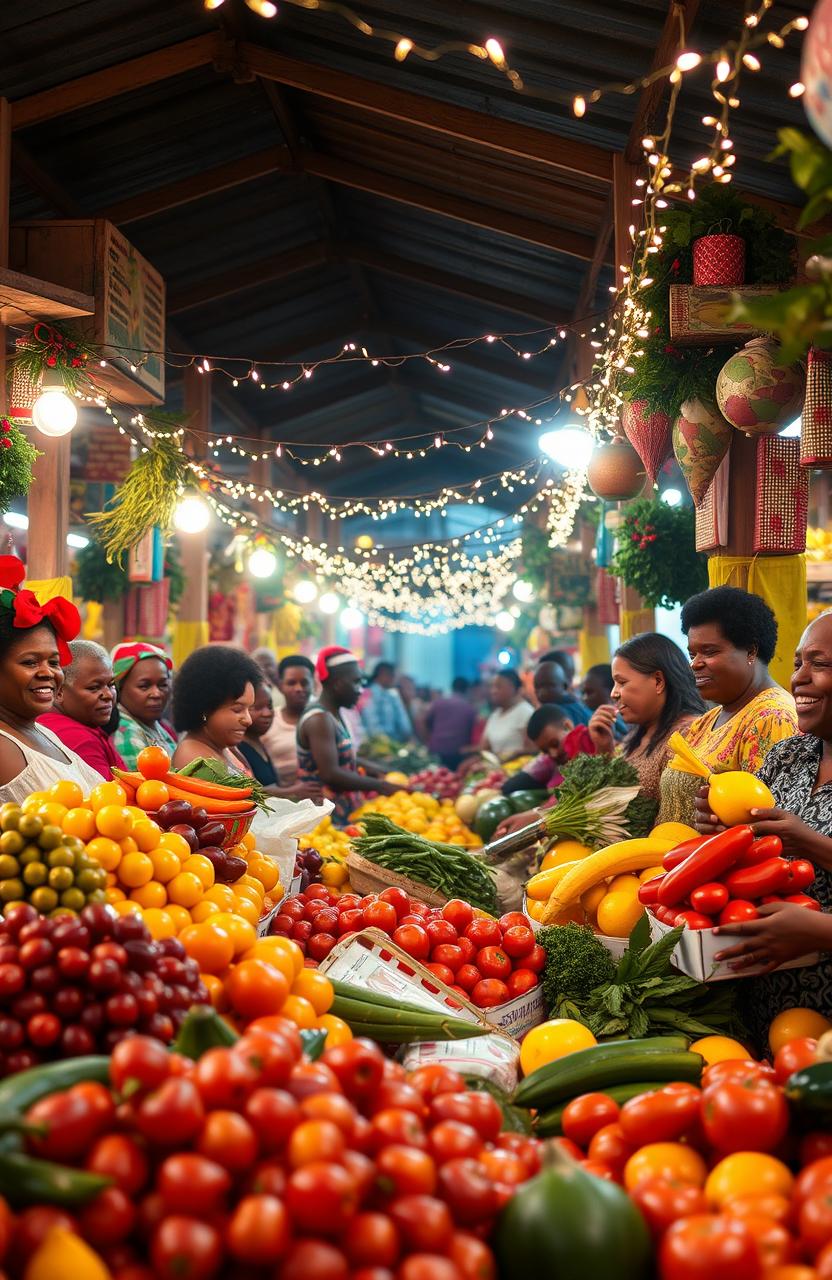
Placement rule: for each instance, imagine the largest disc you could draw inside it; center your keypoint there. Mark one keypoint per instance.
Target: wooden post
(192, 620)
(5, 220)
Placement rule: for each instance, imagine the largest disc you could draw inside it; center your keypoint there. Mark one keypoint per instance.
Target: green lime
(11, 890)
(87, 880)
(30, 854)
(73, 900)
(43, 898)
(11, 842)
(61, 857)
(34, 874)
(10, 815)
(50, 837)
(72, 842)
(9, 866)
(97, 895)
(61, 878)
(30, 825)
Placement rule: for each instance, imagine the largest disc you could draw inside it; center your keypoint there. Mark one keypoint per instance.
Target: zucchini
(810, 1092)
(549, 1124)
(21, 1091)
(25, 1180)
(408, 1033)
(203, 1029)
(618, 1062)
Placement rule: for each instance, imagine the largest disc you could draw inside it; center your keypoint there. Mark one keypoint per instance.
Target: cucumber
(21, 1091)
(620, 1062)
(549, 1123)
(399, 1015)
(810, 1092)
(407, 1033)
(25, 1180)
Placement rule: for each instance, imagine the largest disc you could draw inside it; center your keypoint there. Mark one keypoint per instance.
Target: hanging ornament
(701, 439)
(616, 472)
(650, 434)
(719, 259)
(755, 393)
(816, 420)
(816, 71)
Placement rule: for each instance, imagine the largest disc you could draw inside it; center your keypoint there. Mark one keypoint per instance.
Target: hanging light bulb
(351, 618)
(262, 562)
(504, 621)
(523, 590)
(364, 542)
(329, 602)
(54, 413)
(570, 447)
(192, 514)
(305, 591)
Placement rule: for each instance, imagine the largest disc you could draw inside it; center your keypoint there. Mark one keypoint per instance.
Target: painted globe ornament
(755, 393)
(616, 473)
(701, 439)
(816, 71)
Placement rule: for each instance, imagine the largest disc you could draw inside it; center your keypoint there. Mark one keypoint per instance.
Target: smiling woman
(84, 707)
(212, 704)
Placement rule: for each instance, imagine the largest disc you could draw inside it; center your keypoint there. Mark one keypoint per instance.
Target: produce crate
(369, 959)
(694, 954)
(265, 922)
(368, 877)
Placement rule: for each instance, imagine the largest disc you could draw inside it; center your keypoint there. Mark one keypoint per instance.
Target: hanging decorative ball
(701, 439)
(816, 71)
(719, 259)
(616, 473)
(755, 393)
(650, 434)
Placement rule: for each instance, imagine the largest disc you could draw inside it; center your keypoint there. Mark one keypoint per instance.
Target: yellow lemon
(552, 1040)
(678, 831)
(619, 913)
(564, 851)
(720, 1049)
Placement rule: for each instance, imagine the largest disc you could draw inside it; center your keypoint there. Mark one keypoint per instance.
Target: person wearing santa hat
(326, 755)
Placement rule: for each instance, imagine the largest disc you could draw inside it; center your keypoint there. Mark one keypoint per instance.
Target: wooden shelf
(24, 299)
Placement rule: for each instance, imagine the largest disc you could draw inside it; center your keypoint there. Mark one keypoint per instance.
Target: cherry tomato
(449, 955)
(815, 1146)
(474, 1108)
(108, 1218)
(372, 1240)
(599, 1169)
(775, 1244)
(314, 1260)
(484, 933)
(395, 1125)
(311, 1077)
(398, 1093)
(70, 1127)
(504, 1167)
(458, 913)
(815, 1177)
(172, 1115)
(799, 876)
(468, 1192)
(436, 1078)
(358, 1067)
(815, 1220)
(427, 1266)
(585, 1115)
(709, 1247)
(225, 1078)
(451, 1140)
(31, 1228)
(521, 981)
(229, 1140)
(423, 1223)
(693, 920)
(269, 1053)
(380, 915)
(258, 1231)
(709, 899)
(321, 1197)
(473, 1258)
(403, 1171)
(183, 1248)
(490, 992)
(794, 1056)
(442, 972)
(736, 1069)
(191, 1183)
(413, 939)
(441, 931)
(660, 1116)
(398, 899)
(314, 1141)
(493, 962)
(350, 922)
(117, 1156)
(536, 959)
(663, 1202)
(744, 1115)
(609, 1146)
(467, 976)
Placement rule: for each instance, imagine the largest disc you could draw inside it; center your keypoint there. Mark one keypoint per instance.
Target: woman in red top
(84, 707)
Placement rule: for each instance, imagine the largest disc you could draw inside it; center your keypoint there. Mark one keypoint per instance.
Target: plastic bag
(277, 829)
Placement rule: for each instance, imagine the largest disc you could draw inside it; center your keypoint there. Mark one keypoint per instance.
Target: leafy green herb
(593, 773)
(576, 963)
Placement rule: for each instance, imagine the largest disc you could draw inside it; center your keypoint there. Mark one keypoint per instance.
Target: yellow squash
(731, 795)
(625, 855)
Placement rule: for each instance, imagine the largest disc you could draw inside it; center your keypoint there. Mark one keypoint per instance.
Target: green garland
(149, 494)
(54, 347)
(17, 457)
(667, 375)
(655, 553)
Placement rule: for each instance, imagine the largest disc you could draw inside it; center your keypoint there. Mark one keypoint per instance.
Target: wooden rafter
(206, 183)
(279, 266)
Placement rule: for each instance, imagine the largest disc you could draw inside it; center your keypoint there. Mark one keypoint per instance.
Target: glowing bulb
(191, 515)
(504, 621)
(53, 413)
(569, 447)
(797, 89)
(364, 542)
(671, 496)
(263, 8)
(305, 591)
(579, 106)
(793, 429)
(351, 618)
(402, 49)
(523, 590)
(504, 657)
(329, 602)
(495, 52)
(687, 61)
(262, 562)
(723, 70)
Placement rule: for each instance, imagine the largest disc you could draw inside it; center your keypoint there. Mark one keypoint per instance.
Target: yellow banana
(540, 886)
(624, 856)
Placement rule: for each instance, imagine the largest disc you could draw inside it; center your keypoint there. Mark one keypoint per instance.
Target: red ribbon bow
(59, 613)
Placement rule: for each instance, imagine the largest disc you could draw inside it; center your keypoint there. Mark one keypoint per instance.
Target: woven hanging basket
(22, 391)
(701, 439)
(650, 434)
(816, 422)
(616, 472)
(781, 503)
(719, 259)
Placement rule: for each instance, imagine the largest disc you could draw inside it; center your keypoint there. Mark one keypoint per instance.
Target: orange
(300, 1011)
(201, 867)
(106, 793)
(794, 1024)
(159, 922)
(153, 762)
(242, 934)
(215, 988)
(209, 945)
(147, 835)
(720, 1049)
(314, 987)
(114, 820)
(281, 960)
(53, 813)
(34, 800)
(106, 852)
(275, 944)
(126, 908)
(673, 1161)
(180, 917)
(151, 795)
(166, 864)
(245, 892)
(180, 846)
(67, 793)
(249, 840)
(250, 911)
(203, 911)
(256, 989)
(264, 870)
(128, 845)
(250, 882)
(223, 895)
(135, 870)
(338, 1031)
(747, 1173)
(80, 823)
(185, 889)
(113, 894)
(150, 895)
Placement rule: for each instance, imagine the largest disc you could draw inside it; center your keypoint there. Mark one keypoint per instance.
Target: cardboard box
(699, 314)
(369, 959)
(695, 951)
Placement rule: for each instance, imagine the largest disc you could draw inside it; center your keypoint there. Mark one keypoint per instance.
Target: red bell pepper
(761, 850)
(708, 862)
(648, 892)
(675, 856)
(754, 882)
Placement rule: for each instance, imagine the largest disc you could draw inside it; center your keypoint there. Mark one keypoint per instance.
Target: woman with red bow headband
(34, 649)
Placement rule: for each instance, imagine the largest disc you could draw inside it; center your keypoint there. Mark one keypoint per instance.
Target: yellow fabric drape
(93, 623)
(187, 636)
(47, 588)
(593, 647)
(634, 621)
(781, 582)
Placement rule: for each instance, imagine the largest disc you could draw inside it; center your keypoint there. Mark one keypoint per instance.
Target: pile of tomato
(486, 960)
(255, 1162)
(711, 1170)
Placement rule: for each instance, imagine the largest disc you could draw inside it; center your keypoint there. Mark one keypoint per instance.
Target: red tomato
(397, 899)
(32, 1227)
(489, 993)
(314, 1260)
(435, 1079)
(423, 1222)
(229, 1140)
(815, 1220)
(224, 1079)
(258, 1231)
(530, 1150)
(358, 1067)
(395, 1125)
(474, 1107)
(513, 920)
(467, 976)
(451, 1140)
(744, 1115)
(427, 1266)
(493, 962)
(484, 933)
(118, 1157)
(815, 1146)
(599, 1169)
(442, 972)
(183, 1246)
(309, 1077)
(693, 920)
(664, 1115)
(571, 1148)
(449, 955)
(474, 1258)
(775, 1244)
(70, 1126)
(350, 921)
(468, 1191)
(737, 910)
(794, 1056)
(272, 1054)
(173, 1115)
(321, 1197)
(192, 1184)
(333, 1107)
(320, 945)
(349, 902)
(610, 1147)
(372, 1240)
(709, 1247)
(108, 1218)
(380, 915)
(504, 1166)
(536, 959)
(662, 1203)
(440, 930)
(398, 1093)
(710, 898)
(521, 981)
(413, 939)
(815, 1177)
(404, 1171)
(458, 913)
(585, 1115)
(736, 1069)
(467, 948)
(518, 941)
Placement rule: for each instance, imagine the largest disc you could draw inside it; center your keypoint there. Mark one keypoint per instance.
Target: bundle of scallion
(592, 818)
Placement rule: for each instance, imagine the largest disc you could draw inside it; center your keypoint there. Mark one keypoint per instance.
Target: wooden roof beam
(225, 284)
(485, 130)
(123, 77)
(205, 183)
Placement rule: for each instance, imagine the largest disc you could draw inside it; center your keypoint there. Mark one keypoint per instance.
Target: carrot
(201, 787)
(129, 779)
(209, 803)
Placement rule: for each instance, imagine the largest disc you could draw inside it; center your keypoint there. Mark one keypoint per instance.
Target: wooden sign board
(93, 256)
(699, 314)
